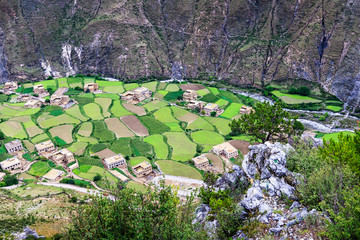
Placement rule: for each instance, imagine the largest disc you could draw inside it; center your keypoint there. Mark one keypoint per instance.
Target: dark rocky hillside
(243, 41)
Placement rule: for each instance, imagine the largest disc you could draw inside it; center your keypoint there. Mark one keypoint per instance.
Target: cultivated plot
(93, 111)
(63, 131)
(160, 147)
(118, 128)
(105, 104)
(232, 110)
(178, 169)
(138, 110)
(183, 148)
(13, 129)
(85, 129)
(153, 105)
(118, 110)
(221, 124)
(200, 123)
(74, 111)
(133, 123)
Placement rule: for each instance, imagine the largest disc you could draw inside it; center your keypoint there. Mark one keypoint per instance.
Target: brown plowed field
(133, 123)
(196, 87)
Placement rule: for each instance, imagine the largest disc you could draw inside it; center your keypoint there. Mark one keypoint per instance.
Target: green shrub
(10, 180)
(304, 91)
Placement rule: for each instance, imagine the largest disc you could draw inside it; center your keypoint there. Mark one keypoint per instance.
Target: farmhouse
(246, 110)
(33, 103)
(40, 90)
(190, 95)
(45, 148)
(58, 98)
(201, 161)
(53, 174)
(212, 107)
(24, 98)
(91, 87)
(63, 156)
(142, 169)
(136, 96)
(225, 149)
(10, 87)
(115, 161)
(195, 104)
(2, 175)
(14, 146)
(10, 164)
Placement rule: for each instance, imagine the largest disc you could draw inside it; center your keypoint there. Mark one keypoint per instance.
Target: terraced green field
(118, 110)
(153, 105)
(93, 111)
(200, 123)
(183, 148)
(294, 98)
(160, 147)
(105, 104)
(75, 112)
(178, 169)
(150, 85)
(221, 124)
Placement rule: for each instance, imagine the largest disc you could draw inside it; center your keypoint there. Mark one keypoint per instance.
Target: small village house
(10, 164)
(33, 103)
(14, 146)
(225, 149)
(195, 105)
(201, 161)
(45, 148)
(24, 98)
(53, 174)
(211, 107)
(91, 87)
(115, 161)
(2, 175)
(10, 87)
(190, 95)
(40, 90)
(142, 169)
(246, 110)
(136, 96)
(58, 98)
(74, 165)
(63, 156)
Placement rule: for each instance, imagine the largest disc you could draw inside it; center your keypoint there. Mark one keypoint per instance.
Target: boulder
(201, 213)
(276, 231)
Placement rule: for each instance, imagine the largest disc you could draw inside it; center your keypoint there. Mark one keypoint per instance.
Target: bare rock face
(243, 42)
(27, 233)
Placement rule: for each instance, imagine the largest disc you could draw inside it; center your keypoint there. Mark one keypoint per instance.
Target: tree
(268, 122)
(10, 180)
(213, 114)
(97, 177)
(2, 135)
(304, 91)
(155, 214)
(78, 88)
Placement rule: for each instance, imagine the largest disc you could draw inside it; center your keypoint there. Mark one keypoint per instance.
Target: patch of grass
(93, 171)
(105, 104)
(97, 147)
(137, 186)
(294, 98)
(200, 123)
(93, 111)
(178, 169)
(335, 136)
(101, 132)
(75, 82)
(56, 112)
(232, 110)
(165, 115)
(40, 138)
(203, 92)
(151, 106)
(13, 129)
(183, 148)
(334, 108)
(40, 168)
(222, 102)
(172, 87)
(62, 82)
(78, 148)
(122, 145)
(173, 96)
(63, 131)
(118, 110)
(90, 140)
(55, 121)
(140, 147)
(210, 98)
(162, 85)
(47, 83)
(154, 126)
(85, 129)
(174, 127)
(136, 160)
(150, 85)
(104, 83)
(4, 98)
(229, 96)
(160, 147)
(83, 100)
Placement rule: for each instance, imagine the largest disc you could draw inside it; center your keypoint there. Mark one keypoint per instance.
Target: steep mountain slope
(243, 41)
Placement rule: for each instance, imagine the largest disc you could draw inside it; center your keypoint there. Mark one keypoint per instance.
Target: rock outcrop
(27, 233)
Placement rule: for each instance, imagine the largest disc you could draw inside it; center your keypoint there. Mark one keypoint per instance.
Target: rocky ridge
(267, 200)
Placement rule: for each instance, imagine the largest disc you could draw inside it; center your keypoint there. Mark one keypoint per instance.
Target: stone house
(115, 161)
(58, 98)
(53, 175)
(212, 107)
(190, 95)
(201, 161)
(195, 104)
(225, 149)
(136, 96)
(10, 164)
(24, 98)
(14, 146)
(45, 148)
(91, 87)
(33, 103)
(246, 110)
(62, 156)
(142, 169)
(40, 90)
(10, 87)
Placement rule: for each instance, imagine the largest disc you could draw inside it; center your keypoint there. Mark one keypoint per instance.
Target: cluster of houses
(10, 87)
(137, 95)
(118, 161)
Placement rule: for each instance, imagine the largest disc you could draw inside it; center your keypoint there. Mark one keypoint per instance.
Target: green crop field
(174, 127)
(75, 82)
(93, 111)
(232, 110)
(102, 83)
(207, 137)
(108, 95)
(47, 83)
(222, 103)
(334, 108)
(136, 160)
(122, 145)
(101, 132)
(294, 98)
(150, 85)
(154, 126)
(75, 112)
(78, 148)
(165, 115)
(183, 148)
(140, 147)
(85, 129)
(130, 86)
(90, 140)
(178, 169)
(210, 98)
(200, 123)
(162, 85)
(335, 136)
(151, 106)
(221, 124)
(183, 115)
(229, 96)
(114, 89)
(63, 131)
(160, 147)
(118, 110)
(55, 121)
(105, 104)
(214, 90)
(13, 129)
(172, 87)
(62, 82)
(89, 172)
(40, 138)
(39, 168)
(203, 92)
(137, 186)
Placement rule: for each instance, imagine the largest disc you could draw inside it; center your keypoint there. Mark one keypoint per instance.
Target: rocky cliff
(242, 41)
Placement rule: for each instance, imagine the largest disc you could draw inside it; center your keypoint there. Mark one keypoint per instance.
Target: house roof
(53, 174)
(114, 159)
(226, 146)
(12, 144)
(45, 144)
(200, 159)
(211, 106)
(9, 162)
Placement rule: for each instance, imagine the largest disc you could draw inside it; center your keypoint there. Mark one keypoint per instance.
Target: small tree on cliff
(268, 122)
